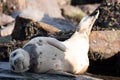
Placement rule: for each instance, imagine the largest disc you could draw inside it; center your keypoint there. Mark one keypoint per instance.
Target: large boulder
(72, 12)
(109, 15)
(5, 19)
(38, 23)
(78, 2)
(14, 7)
(6, 28)
(5, 73)
(104, 44)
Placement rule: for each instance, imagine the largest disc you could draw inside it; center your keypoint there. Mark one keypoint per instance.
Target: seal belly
(50, 58)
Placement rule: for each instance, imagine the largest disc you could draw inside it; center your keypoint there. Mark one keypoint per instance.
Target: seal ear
(87, 22)
(54, 42)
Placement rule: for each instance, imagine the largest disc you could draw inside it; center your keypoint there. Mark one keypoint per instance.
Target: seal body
(77, 53)
(46, 54)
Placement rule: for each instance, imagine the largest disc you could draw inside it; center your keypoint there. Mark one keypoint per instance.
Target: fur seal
(46, 54)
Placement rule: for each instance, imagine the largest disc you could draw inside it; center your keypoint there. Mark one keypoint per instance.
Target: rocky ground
(59, 20)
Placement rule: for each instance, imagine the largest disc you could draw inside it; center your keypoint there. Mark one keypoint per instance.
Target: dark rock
(5, 39)
(109, 15)
(25, 29)
(77, 2)
(6, 73)
(31, 25)
(89, 8)
(6, 48)
(106, 67)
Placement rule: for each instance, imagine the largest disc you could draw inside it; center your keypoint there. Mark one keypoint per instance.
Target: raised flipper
(54, 42)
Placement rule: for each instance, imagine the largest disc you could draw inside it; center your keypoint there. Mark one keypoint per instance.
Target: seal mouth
(19, 68)
(96, 13)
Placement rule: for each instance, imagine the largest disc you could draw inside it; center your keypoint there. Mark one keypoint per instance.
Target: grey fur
(31, 49)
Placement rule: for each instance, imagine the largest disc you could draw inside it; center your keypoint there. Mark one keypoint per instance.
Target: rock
(7, 47)
(5, 39)
(7, 25)
(25, 27)
(5, 19)
(72, 12)
(104, 44)
(78, 2)
(14, 7)
(38, 23)
(1, 9)
(109, 66)
(109, 15)
(46, 6)
(63, 2)
(89, 8)
(6, 73)
(49, 28)
(7, 29)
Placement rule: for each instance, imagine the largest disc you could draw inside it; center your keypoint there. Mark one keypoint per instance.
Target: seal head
(19, 60)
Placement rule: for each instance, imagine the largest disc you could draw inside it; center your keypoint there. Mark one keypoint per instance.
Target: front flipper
(54, 42)
(59, 72)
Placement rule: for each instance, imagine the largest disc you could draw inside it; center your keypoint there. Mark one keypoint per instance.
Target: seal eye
(14, 54)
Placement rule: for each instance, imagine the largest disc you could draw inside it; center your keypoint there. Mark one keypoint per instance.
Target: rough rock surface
(5, 19)
(14, 7)
(7, 47)
(46, 6)
(77, 2)
(30, 26)
(89, 8)
(104, 44)
(1, 9)
(5, 73)
(6, 25)
(63, 2)
(72, 12)
(109, 17)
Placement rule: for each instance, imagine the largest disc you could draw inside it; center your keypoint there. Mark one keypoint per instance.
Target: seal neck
(86, 23)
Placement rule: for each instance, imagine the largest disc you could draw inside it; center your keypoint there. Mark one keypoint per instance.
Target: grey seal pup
(46, 54)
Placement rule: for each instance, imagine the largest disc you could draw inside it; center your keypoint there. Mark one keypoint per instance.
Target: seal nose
(96, 13)
(15, 62)
(13, 68)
